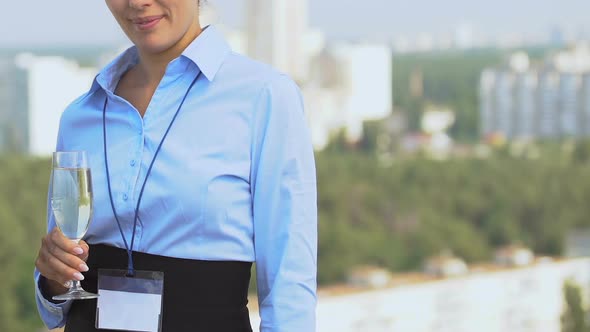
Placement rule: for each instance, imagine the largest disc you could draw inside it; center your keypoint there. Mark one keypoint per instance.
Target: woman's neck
(150, 70)
(152, 66)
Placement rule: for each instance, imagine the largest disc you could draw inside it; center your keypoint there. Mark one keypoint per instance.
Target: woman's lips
(146, 23)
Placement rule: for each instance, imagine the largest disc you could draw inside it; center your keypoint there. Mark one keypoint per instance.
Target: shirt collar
(208, 52)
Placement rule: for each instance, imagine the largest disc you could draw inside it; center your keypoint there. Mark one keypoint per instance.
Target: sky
(75, 22)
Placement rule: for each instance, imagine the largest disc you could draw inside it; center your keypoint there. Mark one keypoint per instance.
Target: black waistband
(198, 295)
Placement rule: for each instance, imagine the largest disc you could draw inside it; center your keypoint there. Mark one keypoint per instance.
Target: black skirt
(198, 295)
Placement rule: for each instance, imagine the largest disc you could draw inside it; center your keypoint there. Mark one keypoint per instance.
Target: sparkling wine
(71, 200)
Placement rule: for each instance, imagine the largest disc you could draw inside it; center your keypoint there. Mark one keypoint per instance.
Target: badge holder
(130, 303)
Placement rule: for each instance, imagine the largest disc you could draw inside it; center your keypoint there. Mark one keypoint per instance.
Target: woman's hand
(61, 260)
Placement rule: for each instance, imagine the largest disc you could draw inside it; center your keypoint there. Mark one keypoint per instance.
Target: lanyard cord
(130, 268)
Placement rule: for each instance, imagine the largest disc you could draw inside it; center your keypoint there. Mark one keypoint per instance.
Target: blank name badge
(130, 303)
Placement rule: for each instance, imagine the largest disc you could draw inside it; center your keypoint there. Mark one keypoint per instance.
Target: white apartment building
(548, 100)
(487, 119)
(349, 84)
(505, 102)
(584, 103)
(52, 84)
(548, 104)
(569, 112)
(13, 107)
(525, 105)
(276, 32)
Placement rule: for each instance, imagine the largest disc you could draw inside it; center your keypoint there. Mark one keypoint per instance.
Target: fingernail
(68, 284)
(84, 267)
(78, 251)
(78, 276)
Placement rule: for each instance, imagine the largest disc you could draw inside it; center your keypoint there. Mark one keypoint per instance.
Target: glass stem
(76, 286)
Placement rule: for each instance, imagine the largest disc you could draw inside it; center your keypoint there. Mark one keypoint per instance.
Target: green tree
(23, 192)
(581, 153)
(393, 215)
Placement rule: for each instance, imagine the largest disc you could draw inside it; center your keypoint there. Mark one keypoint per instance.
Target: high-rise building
(276, 34)
(322, 106)
(14, 108)
(547, 100)
(569, 85)
(548, 104)
(585, 105)
(52, 84)
(487, 101)
(508, 103)
(366, 79)
(525, 105)
(505, 103)
(348, 84)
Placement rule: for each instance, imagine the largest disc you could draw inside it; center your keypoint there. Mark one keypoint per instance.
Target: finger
(86, 248)
(54, 268)
(50, 251)
(60, 241)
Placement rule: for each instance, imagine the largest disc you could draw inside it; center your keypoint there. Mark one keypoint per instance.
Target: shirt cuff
(52, 313)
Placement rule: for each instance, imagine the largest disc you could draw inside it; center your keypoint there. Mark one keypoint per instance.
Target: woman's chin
(152, 50)
(152, 46)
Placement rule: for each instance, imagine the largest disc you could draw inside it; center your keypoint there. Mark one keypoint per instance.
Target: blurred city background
(452, 143)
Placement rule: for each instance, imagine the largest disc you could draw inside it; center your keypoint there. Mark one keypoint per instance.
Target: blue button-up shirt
(234, 180)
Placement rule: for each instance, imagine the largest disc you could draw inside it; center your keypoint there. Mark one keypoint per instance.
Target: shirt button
(125, 197)
(132, 163)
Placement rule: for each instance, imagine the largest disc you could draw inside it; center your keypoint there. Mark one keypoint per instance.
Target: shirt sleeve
(284, 193)
(52, 314)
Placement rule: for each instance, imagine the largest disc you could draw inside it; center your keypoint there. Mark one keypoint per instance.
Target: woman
(201, 165)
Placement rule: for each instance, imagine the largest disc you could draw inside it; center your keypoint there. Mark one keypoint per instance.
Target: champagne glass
(71, 203)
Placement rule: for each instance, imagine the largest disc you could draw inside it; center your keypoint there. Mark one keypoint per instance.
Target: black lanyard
(130, 269)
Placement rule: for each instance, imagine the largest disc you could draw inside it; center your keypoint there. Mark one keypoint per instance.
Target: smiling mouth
(147, 23)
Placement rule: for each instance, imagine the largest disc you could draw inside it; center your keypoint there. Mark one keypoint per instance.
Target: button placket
(134, 157)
